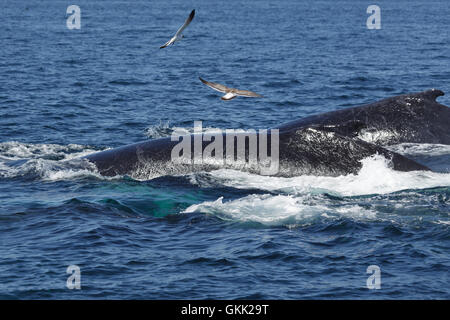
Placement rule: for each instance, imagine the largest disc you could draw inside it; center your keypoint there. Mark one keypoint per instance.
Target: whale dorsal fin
(431, 94)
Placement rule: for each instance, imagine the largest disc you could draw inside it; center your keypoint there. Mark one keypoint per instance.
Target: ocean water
(224, 234)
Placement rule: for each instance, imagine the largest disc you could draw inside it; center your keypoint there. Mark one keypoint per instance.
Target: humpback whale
(330, 144)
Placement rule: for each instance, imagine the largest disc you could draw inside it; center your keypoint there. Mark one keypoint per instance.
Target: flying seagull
(230, 93)
(178, 36)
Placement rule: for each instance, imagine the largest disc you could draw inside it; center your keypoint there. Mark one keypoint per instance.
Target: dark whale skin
(415, 117)
(327, 144)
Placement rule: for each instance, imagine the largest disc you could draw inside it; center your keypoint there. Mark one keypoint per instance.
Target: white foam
(163, 129)
(375, 177)
(14, 150)
(280, 209)
(160, 130)
(300, 200)
(49, 162)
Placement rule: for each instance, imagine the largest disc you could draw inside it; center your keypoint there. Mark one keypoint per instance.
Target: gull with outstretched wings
(230, 93)
(178, 36)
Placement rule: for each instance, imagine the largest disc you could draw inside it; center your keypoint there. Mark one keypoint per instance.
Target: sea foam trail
(15, 150)
(49, 162)
(375, 177)
(287, 210)
(163, 130)
(302, 200)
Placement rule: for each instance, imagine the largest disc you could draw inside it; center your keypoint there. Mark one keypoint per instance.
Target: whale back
(416, 118)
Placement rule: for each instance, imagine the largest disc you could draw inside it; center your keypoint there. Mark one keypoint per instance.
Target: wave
(298, 201)
(160, 130)
(163, 129)
(15, 150)
(48, 162)
(286, 210)
(375, 177)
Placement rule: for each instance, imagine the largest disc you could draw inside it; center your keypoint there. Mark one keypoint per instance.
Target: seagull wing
(186, 23)
(167, 43)
(215, 86)
(246, 93)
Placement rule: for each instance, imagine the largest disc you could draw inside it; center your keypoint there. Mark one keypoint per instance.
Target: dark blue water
(66, 93)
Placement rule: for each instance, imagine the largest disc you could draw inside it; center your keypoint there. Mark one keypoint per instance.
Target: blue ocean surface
(224, 234)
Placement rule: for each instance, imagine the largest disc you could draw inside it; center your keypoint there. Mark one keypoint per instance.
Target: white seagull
(178, 36)
(230, 93)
